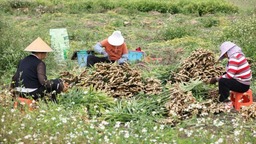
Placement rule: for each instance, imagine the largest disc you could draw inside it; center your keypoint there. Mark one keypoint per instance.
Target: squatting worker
(113, 49)
(238, 73)
(30, 78)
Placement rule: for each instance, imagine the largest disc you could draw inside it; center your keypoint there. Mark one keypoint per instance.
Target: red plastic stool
(241, 99)
(23, 101)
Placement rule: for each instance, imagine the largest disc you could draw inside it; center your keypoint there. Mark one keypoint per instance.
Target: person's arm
(231, 68)
(41, 74)
(99, 49)
(124, 57)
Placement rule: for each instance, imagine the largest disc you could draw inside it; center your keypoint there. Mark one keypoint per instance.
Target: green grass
(165, 29)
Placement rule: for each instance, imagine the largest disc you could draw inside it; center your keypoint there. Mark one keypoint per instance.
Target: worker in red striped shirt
(238, 73)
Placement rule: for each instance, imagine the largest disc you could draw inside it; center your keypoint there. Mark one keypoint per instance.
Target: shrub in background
(9, 44)
(200, 7)
(206, 7)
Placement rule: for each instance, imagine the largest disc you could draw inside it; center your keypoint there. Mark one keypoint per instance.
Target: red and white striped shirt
(238, 68)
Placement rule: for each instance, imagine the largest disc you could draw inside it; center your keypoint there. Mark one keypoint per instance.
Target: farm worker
(238, 73)
(113, 49)
(30, 78)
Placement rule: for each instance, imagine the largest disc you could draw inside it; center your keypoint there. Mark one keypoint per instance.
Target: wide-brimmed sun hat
(226, 46)
(38, 45)
(116, 39)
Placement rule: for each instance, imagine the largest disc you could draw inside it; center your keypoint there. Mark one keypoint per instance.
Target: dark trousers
(92, 59)
(225, 85)
(55, 87)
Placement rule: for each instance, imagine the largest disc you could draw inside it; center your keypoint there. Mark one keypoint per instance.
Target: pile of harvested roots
(249, 112)
(199, 65)
(116, 80)
(183, 105)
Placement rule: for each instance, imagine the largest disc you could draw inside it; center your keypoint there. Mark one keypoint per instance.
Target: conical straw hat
(38, 45)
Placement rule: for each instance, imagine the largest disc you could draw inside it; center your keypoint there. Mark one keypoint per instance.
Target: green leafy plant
(95, 102)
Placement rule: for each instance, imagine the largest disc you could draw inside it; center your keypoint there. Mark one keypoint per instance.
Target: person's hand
(105, 54)
(213, 80)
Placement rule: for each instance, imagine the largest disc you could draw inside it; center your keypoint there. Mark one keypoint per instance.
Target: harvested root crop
(199, 65)
(118, 80)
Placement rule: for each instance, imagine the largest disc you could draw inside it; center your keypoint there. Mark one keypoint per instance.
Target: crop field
(164, 98)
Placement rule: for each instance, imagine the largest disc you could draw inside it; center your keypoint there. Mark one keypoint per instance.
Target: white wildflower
(106, 138)
(102, 126)
(155, 128)
(237, 132)
(42, 111)
(104, 122)
(58, 109)
(10, 132)
(153, 140)
(27, 136)
(188, 132)
(92, 126)
(219, 141)
(144, 130)
(126, 135)
(64, 120)
(117, 125)
(127, 124)
(28, 116)
(161, 127)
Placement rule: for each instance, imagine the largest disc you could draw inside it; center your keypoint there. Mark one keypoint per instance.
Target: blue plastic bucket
(135, 55)
(82, 58)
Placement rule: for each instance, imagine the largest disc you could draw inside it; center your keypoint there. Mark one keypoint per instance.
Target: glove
(105, 54)
(213, 80)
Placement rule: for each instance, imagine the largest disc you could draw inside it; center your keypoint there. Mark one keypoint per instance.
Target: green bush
(200, 7)
(206, 7)
(95, 102)
(9, 44)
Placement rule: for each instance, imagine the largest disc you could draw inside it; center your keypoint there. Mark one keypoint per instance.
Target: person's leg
(55, 88)
(225, 85)
(92, 59)
(39, 93)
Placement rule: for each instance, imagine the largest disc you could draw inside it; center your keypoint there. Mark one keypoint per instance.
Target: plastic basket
(135, 55)
(82, 58)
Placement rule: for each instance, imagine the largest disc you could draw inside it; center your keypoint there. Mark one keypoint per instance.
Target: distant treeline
(199, 7)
